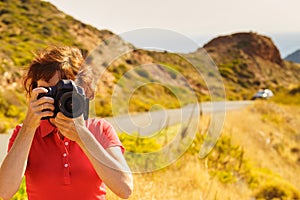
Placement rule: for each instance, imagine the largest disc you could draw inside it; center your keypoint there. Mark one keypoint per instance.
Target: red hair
(68, 61)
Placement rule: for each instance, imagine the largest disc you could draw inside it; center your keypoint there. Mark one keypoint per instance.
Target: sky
(198, 20)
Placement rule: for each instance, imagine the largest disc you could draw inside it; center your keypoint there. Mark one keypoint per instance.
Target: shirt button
(66, 143)
(65, 155)
(66, 165)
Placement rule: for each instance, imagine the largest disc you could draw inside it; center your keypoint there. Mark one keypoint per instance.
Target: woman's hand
(36, 106)
(69, 127)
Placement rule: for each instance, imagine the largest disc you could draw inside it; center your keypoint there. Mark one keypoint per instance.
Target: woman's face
(52, 82)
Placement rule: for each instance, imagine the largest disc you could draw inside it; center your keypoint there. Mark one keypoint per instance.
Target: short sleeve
(13, 136)
(105, 133)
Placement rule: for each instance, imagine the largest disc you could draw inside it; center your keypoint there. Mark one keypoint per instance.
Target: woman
(62, 158)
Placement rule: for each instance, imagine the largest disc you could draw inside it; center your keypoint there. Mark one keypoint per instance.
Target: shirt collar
(46, 128)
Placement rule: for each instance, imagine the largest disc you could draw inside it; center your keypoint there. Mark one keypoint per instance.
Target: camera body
(68, 98)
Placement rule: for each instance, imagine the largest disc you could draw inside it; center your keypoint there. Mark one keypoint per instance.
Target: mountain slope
(29, 25)
(294, 57)
(248, 61)
(25, 27)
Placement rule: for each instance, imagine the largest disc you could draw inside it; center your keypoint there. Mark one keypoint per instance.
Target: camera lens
(71, 104)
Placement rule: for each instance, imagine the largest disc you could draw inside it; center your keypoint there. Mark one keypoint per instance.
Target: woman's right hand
(36, 106)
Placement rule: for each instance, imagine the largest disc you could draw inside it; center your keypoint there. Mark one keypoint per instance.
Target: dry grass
(268, 132)
(188, 178)
(265, 131)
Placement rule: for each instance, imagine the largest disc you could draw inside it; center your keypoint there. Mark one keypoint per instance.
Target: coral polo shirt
(58, 169)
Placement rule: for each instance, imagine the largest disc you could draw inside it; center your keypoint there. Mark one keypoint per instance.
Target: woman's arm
(109, 164)
(13, 167)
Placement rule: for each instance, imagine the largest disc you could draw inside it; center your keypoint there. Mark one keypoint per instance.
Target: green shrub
(225, 161)
(12, 111)
(142, 72)
(21, 194)
(138, 144)
(288, 97)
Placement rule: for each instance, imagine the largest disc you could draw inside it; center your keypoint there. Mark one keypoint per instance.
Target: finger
(61, 116)
(40, 105)
(63, 125)
(62, 119)
(46, 106)
(44, 100)
(37, 91)
(45, 114)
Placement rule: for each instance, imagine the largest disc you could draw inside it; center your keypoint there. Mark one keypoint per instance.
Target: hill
(294, 57)
(249, 61)
(25, 27)
(246, 61)
(29, 25)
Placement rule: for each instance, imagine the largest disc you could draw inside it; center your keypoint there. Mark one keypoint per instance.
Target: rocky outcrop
(251, 44)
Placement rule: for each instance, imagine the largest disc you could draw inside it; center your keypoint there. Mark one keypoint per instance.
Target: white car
(263, 94)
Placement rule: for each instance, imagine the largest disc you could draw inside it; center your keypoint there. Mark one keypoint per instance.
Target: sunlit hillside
(257, 157)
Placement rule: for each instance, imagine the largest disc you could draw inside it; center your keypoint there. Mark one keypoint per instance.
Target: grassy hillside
(246, 61)
(25, 27)
(247, 162)
(29, 25)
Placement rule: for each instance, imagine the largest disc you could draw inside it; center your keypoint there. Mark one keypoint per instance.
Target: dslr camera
(68, 98)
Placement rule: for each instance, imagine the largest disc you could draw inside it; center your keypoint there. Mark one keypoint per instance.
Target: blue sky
(197, 19)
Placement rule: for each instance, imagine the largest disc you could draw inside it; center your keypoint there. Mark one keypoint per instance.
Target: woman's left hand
(69, 127)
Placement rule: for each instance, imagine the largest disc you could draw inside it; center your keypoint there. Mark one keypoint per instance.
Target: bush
(12, 111)
(142, 72)
(277, 191)
(21, 194)
(226, 161)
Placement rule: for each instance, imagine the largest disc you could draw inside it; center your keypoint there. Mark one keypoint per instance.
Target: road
(3, 144)
(147, 123)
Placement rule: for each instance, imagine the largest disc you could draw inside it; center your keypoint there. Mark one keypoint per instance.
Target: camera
(68, 98)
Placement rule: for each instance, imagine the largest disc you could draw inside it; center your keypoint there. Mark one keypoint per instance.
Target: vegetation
(288, 96)
(178, 66)
(232, 170)
(21, 194)
(12, 107)
(26, 31)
